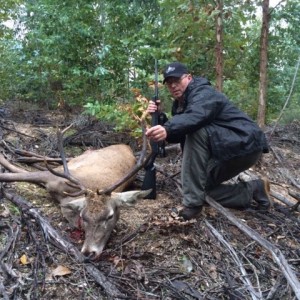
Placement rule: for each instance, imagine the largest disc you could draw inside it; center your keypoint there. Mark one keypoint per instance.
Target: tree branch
(277, 255)
(235, 257)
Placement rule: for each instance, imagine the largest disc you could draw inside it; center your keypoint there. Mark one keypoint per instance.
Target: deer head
(98, 217)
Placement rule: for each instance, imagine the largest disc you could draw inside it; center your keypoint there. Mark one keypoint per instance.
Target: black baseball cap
(175, 69)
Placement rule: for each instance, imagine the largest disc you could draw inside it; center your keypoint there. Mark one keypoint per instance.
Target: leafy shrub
(124, 116)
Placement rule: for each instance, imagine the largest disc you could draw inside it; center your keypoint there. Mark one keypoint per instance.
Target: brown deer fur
(95, 170)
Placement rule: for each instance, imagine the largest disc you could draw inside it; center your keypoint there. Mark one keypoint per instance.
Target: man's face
(177, 86)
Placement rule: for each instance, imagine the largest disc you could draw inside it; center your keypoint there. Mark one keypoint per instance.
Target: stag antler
(73, 182)
(142, 161)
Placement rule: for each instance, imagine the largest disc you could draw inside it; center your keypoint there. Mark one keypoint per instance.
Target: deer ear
(130, 197)
(76, 204)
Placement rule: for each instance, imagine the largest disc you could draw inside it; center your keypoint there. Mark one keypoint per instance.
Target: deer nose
(89, 256)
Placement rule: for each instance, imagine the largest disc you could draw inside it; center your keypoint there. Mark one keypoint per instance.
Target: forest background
(99, 55)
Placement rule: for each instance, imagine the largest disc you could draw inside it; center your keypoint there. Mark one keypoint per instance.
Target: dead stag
(90, 189)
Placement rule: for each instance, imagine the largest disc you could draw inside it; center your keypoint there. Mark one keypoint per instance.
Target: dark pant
(201, 174)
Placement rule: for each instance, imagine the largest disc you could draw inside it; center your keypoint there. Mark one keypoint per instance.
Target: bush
(124, 116)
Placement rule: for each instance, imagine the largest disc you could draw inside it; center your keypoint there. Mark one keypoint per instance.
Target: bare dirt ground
(150, 255)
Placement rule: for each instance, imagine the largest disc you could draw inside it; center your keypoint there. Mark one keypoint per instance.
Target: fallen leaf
(24, 260)
(60, 271)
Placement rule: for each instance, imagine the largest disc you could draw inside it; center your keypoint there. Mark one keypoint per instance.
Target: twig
(275, 287)
(30, 160)
(16, 131)
(57, 240)
(8, 274)
(27, 153)
(233, 253)
(277, 255)
(171, 177)
(38, 273)
(232, 291)
(286, 173)
(3, 292)
(10, 244)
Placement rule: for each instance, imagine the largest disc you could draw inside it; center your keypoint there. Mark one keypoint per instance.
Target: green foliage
(291, 115)
(111, 113)
(8, 10)
(242, 95)
(284, 51)
(70, 51)
(124, 116)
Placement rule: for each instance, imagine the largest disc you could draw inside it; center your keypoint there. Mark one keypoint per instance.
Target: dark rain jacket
(231, 132)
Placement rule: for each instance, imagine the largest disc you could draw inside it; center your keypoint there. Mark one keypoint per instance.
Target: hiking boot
(188, 213)
(260, 189)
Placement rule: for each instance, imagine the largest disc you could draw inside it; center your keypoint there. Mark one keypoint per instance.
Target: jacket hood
(198, 81)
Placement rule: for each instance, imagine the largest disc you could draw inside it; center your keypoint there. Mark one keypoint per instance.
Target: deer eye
(109, 217)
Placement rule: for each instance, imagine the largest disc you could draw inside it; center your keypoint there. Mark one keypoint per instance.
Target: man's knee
(223, 171)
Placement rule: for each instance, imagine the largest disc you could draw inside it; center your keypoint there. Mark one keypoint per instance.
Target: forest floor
(150, 255)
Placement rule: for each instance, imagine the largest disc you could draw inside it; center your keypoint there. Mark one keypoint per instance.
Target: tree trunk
(261, 113)
(219, 46)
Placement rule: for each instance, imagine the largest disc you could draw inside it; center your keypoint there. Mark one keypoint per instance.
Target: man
(219, 140)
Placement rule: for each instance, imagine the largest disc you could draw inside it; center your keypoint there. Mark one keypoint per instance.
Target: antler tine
(73, 181)
(142, 161)
(67, 175)
(60, 145)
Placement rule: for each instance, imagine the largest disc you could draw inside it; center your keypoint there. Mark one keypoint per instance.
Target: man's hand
(156, 133)
(152, 107)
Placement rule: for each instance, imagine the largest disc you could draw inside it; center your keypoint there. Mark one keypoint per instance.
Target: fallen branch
(283, 170)
(284, 200)
(7, 272)
(275, 288)
(57, 240)
(2, 291)
(297, 197)
(30, 160)
(16, 131)
(277, 255)
(235, 257)
(11, 241)
(294, 195)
